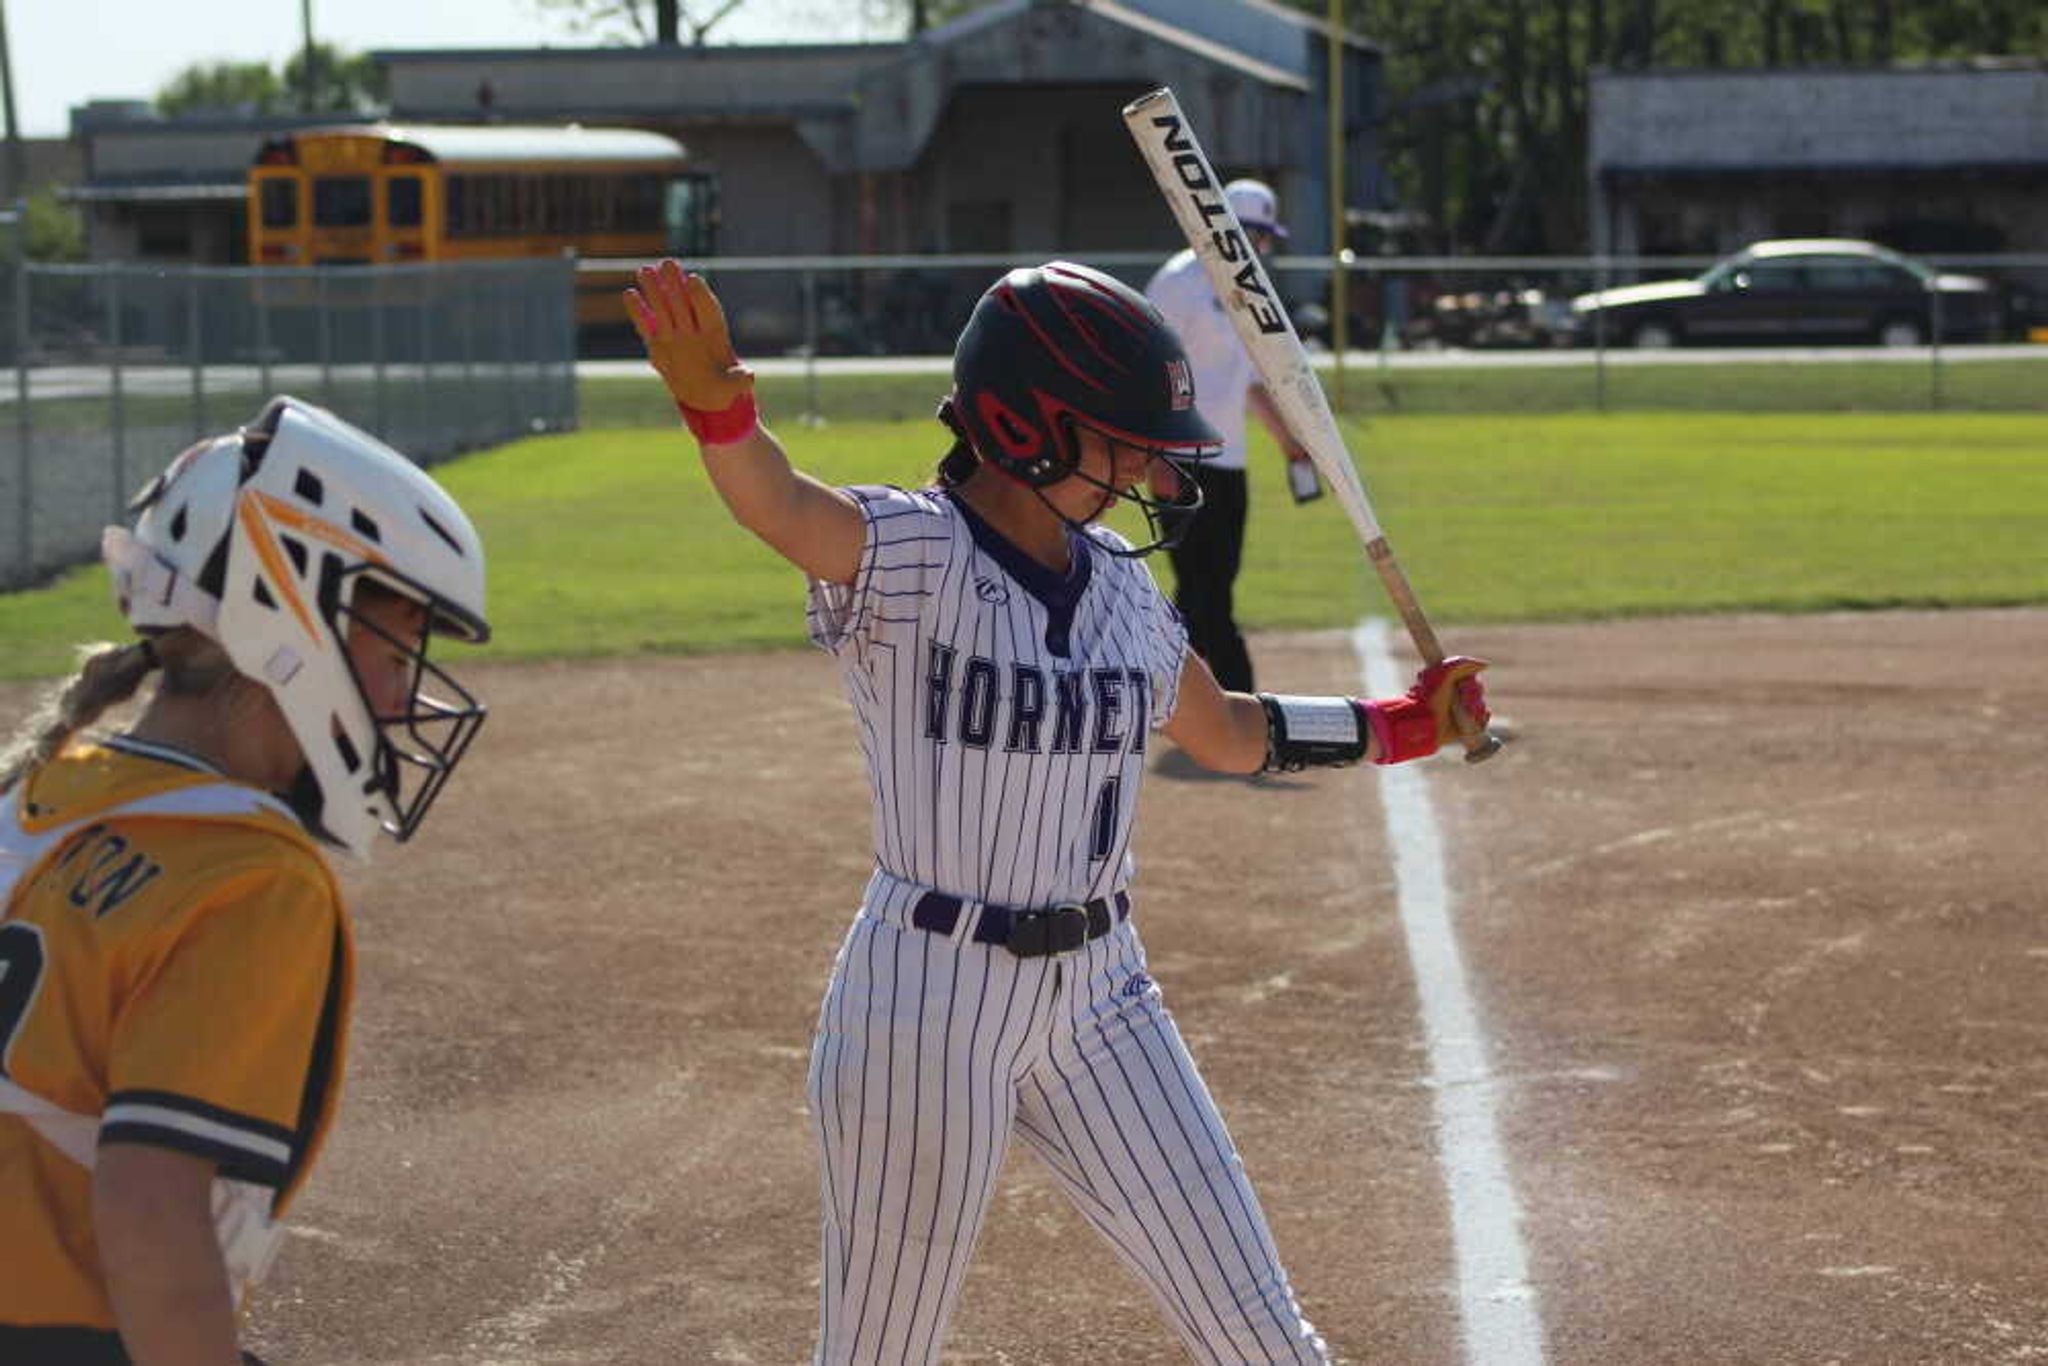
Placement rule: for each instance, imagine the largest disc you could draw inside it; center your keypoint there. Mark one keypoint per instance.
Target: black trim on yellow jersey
(64, 1345)
(61, 1345)
(313, 1101)
(234, 1142)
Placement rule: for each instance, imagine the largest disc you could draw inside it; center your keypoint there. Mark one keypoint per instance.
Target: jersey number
(1107, 809)
(21, 967)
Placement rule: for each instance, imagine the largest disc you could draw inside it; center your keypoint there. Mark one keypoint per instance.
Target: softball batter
(1007, 658)
(175, 960)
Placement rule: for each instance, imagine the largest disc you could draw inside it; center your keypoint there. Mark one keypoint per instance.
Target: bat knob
(1481, 747)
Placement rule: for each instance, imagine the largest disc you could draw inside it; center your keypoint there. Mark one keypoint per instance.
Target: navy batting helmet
(1061, 344)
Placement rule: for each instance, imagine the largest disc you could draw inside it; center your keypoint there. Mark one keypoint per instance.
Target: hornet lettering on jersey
(1117, 701)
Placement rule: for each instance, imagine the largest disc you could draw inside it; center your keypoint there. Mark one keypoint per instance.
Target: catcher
(175, 958)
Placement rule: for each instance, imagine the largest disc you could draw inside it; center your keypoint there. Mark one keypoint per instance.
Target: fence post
(1600, 334)
(811, 413)
(326, 334)
(377, 414)
(193, 342)
(427, 296)
(116, 393)
(1934, 347)
(565, 304)
(469, 404)
(24, 484)
(261, 289)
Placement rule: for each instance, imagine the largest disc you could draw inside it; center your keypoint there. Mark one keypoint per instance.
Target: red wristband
(1404, 728)
(734, 422)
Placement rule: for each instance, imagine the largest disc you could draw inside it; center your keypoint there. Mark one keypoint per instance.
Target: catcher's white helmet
(259, 539)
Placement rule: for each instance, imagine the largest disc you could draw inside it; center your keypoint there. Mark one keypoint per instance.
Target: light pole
(1340, 255)
(17, 174)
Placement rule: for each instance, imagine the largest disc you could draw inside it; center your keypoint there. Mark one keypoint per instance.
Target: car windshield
(1722, 276)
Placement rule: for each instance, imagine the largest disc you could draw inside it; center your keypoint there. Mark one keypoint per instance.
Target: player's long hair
(957, 465)
(107, 676)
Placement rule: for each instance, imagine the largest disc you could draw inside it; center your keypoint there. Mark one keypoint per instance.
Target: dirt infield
(1751, 912)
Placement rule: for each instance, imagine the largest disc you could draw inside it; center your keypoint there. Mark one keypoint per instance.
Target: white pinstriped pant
(932, 1049)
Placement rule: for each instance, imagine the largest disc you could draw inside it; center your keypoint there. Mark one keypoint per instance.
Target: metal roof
(154, 192)
(484, 143)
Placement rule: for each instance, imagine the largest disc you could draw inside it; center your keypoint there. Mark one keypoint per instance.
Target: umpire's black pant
(1205, 576)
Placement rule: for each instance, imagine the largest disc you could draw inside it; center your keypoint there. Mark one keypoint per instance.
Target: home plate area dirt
(1749, 911)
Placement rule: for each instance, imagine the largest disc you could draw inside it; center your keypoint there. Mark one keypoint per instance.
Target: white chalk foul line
(1496, 1299)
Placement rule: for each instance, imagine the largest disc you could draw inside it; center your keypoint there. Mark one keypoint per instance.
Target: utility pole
(17, 170)
(308, 78)
(1340, 228)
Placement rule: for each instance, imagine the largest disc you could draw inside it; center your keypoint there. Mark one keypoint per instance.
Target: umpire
(1207, 555)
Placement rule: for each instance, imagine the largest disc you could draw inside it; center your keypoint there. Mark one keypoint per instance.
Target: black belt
(1028, 934)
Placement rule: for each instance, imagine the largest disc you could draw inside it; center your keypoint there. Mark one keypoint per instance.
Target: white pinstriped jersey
(1003, 707)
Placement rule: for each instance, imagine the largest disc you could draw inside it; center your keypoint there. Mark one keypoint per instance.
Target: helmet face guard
(1061, 347)
(416, 749)
(1167, 516)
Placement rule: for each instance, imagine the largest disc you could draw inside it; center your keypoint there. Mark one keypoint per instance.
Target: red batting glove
(1419, 723)
(683, 328)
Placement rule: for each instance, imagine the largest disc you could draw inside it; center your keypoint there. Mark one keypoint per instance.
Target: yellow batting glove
(683, 328)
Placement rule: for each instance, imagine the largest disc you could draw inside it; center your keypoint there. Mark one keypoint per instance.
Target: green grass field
(610, 541)
(1972, 385)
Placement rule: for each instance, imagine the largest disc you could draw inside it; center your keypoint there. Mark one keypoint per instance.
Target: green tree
(1484, 102)
(55, 230)
(203, 87)
(339, 82)
(696, 21)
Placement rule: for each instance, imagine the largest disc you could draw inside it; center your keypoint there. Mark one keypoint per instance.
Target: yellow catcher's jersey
(175, 970)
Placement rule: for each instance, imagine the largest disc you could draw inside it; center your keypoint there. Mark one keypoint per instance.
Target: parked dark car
(1798, 290)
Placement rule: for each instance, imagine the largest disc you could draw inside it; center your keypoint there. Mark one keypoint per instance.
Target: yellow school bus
(382, 193)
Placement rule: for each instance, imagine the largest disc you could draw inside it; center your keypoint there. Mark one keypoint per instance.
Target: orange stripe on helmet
(260, 536)
(320, 530)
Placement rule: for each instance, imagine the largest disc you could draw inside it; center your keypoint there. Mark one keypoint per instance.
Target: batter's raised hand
(683, 328)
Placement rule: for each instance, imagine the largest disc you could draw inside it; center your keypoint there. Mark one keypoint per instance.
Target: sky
(66, 52)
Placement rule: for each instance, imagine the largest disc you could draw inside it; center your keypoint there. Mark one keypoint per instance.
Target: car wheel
(1901, 332)
(1654, 335)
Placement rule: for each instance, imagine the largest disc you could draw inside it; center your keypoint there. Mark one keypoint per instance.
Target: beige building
(997, 133)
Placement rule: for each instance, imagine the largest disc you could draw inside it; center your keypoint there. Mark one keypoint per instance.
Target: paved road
(84, 381)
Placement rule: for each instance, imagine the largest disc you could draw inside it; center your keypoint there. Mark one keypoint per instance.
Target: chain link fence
(844, 338)
(116, 368)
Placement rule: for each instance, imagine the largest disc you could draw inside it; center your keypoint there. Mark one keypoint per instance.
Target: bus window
(686, 217)
(402, 201)
(640, 204)
(341, 202)
(280, 203)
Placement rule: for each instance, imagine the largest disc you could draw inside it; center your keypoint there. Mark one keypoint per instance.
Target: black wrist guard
(1312, 732)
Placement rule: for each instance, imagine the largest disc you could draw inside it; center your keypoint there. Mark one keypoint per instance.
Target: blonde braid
(107, 676)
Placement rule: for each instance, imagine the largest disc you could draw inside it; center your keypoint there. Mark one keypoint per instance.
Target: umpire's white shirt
(1222, 367)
